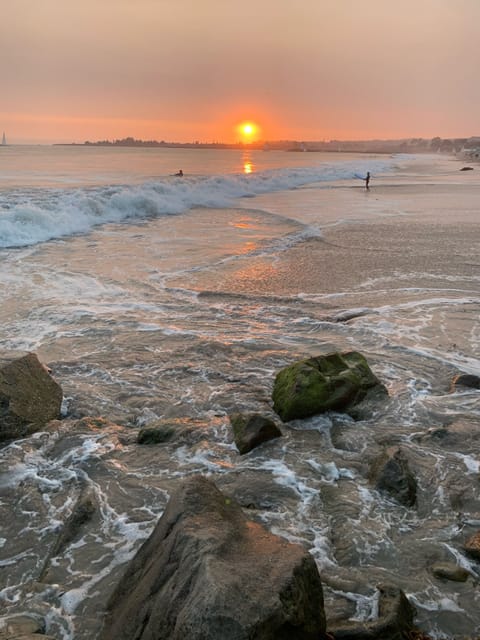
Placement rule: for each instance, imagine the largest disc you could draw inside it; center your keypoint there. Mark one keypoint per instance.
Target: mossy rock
(333, 382)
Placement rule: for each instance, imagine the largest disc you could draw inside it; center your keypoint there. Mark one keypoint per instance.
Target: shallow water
(189, 317)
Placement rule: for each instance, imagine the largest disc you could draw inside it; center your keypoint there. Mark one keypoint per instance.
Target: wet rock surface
(450, 571)
(251, 430)
(395, 619)
(334, 382)
(391, 474)
(23, 627)
(208, 572)
(29, 397)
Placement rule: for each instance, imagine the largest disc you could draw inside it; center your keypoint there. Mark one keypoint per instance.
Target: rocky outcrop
(29, 397)
(333, 382)
(394, 622)
(391, 474)
(209, 572)
(251, 430)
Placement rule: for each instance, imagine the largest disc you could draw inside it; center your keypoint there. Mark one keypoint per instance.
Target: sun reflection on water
(248, 166)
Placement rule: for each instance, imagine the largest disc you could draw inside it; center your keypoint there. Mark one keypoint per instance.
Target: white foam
(471, 463)
(45, 214)
(442, 604)
(329, 471)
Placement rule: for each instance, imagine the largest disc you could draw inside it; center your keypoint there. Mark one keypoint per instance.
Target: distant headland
(406, 145)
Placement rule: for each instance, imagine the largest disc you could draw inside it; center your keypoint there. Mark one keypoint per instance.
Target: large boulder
(209, 572)
(252, 429)
(333, 382)
(29, 397)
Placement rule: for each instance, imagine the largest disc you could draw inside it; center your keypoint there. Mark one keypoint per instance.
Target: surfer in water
(179, 173)
(367, 180)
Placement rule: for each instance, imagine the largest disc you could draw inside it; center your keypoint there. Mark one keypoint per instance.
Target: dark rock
(334, 382)
(251, 430)
(395, 619)
(465, 380)
(472, 546)
(209, 572)
(29, 397)
(466, 169)
(180, 431)
(155, 435)
(390, 473)
(450, 571)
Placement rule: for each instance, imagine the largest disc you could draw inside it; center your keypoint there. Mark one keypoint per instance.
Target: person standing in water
(367, 180)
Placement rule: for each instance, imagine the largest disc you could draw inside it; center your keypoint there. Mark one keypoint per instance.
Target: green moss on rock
(333, 382)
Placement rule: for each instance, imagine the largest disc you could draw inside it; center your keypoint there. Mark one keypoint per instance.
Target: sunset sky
(76, 70)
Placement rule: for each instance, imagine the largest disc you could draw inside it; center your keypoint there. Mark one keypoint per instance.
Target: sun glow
(247, 131)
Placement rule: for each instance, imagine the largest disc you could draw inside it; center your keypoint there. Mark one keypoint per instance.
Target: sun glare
(247, 131)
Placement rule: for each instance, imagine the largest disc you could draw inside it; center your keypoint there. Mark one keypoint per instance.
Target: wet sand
(399, 233)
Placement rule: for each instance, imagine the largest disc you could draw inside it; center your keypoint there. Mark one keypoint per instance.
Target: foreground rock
(391, 474)
(251, 430)
(394, 622)
(208, 572)
(334, 382)
(29, 397)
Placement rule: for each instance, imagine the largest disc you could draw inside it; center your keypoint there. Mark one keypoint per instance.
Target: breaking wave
(37, 215)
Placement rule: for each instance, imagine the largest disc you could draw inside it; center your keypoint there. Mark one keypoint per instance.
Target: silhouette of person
(180, 173)
(367, 180)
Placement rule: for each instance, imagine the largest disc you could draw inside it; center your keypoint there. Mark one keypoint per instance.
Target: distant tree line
(407, 145)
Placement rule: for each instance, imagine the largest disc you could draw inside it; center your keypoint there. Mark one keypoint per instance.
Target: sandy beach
(399, 233)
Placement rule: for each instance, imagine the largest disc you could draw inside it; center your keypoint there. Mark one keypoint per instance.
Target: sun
(247, 131)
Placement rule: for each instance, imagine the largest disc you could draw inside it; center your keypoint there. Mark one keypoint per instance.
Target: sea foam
(39, 215)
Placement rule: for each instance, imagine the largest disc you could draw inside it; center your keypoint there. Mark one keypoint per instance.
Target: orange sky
(186, 70)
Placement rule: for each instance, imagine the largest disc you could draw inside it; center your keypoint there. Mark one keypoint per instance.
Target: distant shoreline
(410, 145)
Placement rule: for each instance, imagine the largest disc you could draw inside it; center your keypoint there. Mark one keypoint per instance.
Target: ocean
(154, 297)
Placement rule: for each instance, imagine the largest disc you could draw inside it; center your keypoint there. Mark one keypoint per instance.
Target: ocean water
(154, 297)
